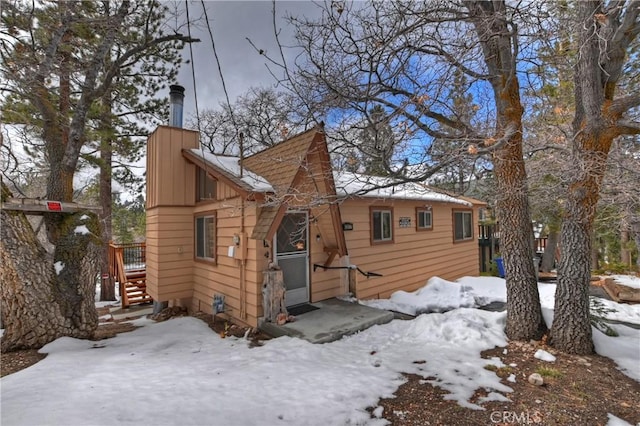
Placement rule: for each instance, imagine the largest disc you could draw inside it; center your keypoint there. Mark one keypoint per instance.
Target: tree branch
(76, 130)
(491, 145)
(626, 127)
(624, 104)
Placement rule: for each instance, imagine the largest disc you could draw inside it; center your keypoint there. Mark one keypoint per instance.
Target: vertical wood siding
(169, 176)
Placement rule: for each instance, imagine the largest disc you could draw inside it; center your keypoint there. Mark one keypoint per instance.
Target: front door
(292, 256)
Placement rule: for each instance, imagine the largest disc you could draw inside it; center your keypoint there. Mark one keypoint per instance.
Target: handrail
(366, 274)
(127, 264)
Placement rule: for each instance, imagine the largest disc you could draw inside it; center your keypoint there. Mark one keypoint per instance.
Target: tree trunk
(595, 252)
(107, 282)
(635, 232)
(524, 314)
(549, 255)
(44, 298)
(625, 253)
(571, 329)
(495, 33)
(599, 65)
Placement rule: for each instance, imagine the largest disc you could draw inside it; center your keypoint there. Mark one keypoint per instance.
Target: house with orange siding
(215, 224)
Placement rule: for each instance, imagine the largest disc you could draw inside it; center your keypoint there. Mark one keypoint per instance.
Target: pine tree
(59, 60)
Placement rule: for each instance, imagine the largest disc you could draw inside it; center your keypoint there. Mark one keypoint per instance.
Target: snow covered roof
(230, 166)
(354, 184)
(347, 184)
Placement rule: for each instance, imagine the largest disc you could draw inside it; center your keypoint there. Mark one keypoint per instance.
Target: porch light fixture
(347, 226)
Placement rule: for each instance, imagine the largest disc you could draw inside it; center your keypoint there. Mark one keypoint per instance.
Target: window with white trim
(381, 225)
(424, 219)
(462, 225)
(206, 237)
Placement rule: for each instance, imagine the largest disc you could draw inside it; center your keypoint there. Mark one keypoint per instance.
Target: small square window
(462, 225)
(381, 225)
(424, 219)
(206, 186)
(206, 237)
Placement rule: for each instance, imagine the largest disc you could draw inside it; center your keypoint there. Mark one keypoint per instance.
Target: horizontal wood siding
(169, 254)
(223, 276)
(415, 256)
(170, 179)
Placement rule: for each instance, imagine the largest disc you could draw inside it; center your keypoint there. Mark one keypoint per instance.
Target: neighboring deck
(127, 264)
(489, 244)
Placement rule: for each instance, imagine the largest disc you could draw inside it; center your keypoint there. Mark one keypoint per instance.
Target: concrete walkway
(334, 319)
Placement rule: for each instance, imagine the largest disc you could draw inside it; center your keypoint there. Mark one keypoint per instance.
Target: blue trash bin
(500, 267)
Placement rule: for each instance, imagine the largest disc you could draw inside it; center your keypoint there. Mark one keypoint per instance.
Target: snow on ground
(544, 356)
(624, 350)
(628, 280)
(616, 421)
(181, 372)
(100, 304)
(439, 295)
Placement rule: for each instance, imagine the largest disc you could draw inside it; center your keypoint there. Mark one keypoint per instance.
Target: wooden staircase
(133, 281)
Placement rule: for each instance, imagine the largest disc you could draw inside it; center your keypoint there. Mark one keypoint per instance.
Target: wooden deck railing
(127, 265)
(489, 242)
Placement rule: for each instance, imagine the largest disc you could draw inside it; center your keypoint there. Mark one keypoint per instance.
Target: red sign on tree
(54, 206)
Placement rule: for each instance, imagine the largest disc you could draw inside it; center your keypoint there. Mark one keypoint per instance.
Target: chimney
(176, 105)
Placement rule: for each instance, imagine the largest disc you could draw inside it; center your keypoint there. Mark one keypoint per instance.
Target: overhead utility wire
(193, 67)
(224, 86)
(243, 288)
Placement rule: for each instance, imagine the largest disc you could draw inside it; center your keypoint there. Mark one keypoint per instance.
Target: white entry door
(291, 244)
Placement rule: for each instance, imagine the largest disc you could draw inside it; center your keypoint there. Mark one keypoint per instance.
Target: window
(206, 237)
(206, 186)
(381, 225)
(462, 225)
(424, 220)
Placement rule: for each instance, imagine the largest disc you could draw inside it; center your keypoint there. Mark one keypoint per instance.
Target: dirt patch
(112, 329)
(15, 361)
(225, 328)
(577, 391)
(12, 362)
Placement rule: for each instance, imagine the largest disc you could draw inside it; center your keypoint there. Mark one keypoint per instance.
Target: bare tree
(263, 116)
(605, 33)
(402, 58)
